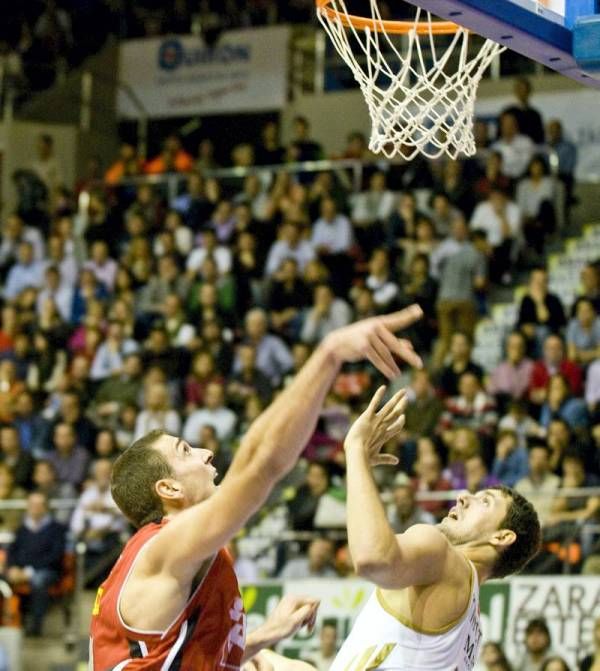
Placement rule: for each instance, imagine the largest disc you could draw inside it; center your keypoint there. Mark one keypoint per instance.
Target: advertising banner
(245, 71)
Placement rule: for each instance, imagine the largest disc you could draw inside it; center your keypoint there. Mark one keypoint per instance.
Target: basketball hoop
(419, 101)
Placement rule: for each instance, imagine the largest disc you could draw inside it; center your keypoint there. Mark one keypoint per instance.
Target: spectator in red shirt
(554, 361)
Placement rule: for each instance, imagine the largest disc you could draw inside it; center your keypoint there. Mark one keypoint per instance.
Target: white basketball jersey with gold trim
(379, 640)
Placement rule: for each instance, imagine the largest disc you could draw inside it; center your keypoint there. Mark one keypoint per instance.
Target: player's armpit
(419, 557)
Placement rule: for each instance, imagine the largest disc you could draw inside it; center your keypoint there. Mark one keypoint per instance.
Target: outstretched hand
(291, 614)
(371, 431)
(374, 339)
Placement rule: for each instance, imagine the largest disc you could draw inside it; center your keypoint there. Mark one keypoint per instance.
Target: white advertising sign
(246, 71)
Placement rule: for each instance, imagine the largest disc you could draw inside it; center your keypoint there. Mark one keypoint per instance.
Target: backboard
(561, 34)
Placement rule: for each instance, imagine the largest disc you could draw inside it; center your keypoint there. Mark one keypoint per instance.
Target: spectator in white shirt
(500, 219)
(332, 232)
(100, 263)
(14, 232)
(290, 245)
(46, 166)
(210, 247)
(273, 357)
(58, 291)
(332, 240)
(26, 273)
(327, 314)
(157, 413)
(111, 353)
(214, 413)
(536, 196)
(516, 149)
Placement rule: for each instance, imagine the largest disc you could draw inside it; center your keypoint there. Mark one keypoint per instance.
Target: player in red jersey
(172, 601)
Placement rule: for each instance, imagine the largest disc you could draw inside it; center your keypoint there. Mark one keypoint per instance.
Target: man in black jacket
(35, 558)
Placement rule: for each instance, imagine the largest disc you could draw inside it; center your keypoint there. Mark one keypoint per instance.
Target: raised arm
(274, 442)
(417, 557)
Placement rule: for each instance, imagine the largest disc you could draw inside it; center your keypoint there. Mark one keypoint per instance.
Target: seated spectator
(583, 334)
(302, 509)
(370, 209)
(379, 280)
(222, 222)
(443, 214)
(100, 263)
(119, 389)
(157, 413)
(559, 438)
(559, 403)
(302, 148)
(493, 177)
(159, 353)
(203, 372)
(536, 198)
(429, 478)
(248, 270)
(553, 362)
(590, 661)
(420, 287)
(57, 291)
(286, 297)
(460, 270)
(70, 460)
(477, 476)
(127, 165)
(109, 357)
(214, 413)
(211, 247)
(45, 481)
(212, 296)
(326, 314)
(269, 151)
(98, 522)
(15, 457)
(589, 279)
(10, 388)
(566, 152)
(14, 232)
(510, 379)
(516, 149)
(289, 245)
(402, 222)
(462, 443)
(511, 460)
(319, 562)
(25, 273)
(491, 656)
(575, 517)
(528, 118)
(540, 312)
(9, 518)
(322, 658)
(248, 381)
(541, 485)
(332, 241)
(32, 427)
(472, 408)
(173, 158)
(422, 243)
(405, 511)
(423, 408)
(273, 358)
(538, 646)
(500, 219)
(35, 559)
(460, 362)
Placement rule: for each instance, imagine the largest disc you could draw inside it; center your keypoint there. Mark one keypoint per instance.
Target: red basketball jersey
(209, 634)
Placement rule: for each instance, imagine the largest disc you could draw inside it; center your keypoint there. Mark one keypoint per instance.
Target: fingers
(386, 460)
(375, 358)
(402, 348)
(384, 352)
(376, 400)
(395, 406)
(400, 320)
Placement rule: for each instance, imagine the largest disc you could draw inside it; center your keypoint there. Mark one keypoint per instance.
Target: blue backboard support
(569, 43)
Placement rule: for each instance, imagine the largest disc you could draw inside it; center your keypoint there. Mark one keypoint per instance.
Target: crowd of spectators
(124, 310)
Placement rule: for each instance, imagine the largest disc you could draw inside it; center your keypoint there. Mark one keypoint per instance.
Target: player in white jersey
(424, 612)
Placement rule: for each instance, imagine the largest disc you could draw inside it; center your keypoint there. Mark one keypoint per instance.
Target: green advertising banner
(569, 604)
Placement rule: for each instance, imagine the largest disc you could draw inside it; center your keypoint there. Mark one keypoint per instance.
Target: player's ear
(169, 489)
(503, 538)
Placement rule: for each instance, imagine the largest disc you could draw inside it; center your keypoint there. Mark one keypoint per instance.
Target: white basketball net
(419, 101)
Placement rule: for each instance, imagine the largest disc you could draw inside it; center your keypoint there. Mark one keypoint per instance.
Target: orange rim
(390, 27)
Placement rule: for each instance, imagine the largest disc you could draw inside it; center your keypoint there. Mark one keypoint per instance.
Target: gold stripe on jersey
(365, 661)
